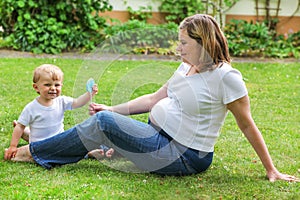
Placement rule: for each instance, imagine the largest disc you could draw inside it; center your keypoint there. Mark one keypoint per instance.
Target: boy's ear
(35, 87)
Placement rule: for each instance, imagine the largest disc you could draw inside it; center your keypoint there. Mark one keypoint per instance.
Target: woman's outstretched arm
(139, 105)
(241, 111)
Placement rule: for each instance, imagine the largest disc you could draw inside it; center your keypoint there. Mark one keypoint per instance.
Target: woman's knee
(105, 118)
(103, 115)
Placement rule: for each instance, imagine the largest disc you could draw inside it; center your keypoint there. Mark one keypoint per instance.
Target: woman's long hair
(206, 31)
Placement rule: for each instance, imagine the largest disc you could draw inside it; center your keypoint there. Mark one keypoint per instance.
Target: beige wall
(285, 25)
(123, 16)
(244, 9)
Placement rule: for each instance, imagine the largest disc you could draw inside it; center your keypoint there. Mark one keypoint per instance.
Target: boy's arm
(84, 99)
(17, 134)
(81, 101)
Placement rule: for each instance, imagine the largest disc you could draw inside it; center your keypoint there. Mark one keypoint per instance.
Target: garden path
(77, 55)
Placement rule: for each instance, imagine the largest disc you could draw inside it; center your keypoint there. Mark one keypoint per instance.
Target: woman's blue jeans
(148, 147)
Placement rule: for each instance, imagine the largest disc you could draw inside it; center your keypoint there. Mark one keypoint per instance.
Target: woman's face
(188, 48)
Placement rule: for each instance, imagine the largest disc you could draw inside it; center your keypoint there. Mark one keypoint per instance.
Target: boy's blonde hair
(54, 71)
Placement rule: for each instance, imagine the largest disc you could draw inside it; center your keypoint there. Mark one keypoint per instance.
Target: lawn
(236, 172)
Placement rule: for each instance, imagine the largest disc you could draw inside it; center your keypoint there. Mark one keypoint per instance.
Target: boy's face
(48, 88)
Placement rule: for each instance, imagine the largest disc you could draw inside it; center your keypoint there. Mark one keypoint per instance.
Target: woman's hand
(94, 108)
(276, 175)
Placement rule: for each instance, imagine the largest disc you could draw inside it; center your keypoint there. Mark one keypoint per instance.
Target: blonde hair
(54, 71)
(206, 31)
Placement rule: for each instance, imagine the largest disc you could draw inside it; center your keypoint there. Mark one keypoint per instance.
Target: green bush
(284, 46)
(255, 39)
(244, 39)
(140, 38)
(179, 9)
(52, 26)
(142, 14)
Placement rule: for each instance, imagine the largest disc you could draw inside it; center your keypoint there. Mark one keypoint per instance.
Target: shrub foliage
(138, 37)
(52, 26)
(256, 39)
(43, 26)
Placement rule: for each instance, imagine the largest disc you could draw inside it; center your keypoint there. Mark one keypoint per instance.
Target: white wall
(242, 7)
(247, 7)
(121, 5)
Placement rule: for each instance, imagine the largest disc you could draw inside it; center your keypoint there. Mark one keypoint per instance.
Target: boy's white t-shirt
(43, 121)
(195, 108)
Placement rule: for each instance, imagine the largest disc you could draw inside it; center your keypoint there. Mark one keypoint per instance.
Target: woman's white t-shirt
(43, 121)
(195, 108)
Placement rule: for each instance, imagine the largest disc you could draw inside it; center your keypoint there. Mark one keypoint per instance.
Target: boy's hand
(95, 89)
(10, 153)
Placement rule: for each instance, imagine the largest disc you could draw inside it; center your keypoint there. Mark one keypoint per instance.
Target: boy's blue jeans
(148, 147)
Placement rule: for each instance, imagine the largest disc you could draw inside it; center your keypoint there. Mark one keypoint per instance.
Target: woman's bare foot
(25, 135)
(97, 153)
(101, 153)
(109, 153)
(23, 155)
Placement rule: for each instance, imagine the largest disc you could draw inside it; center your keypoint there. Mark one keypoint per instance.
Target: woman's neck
(193, 70)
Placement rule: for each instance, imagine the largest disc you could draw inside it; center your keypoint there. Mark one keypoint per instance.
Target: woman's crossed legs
(141, 143)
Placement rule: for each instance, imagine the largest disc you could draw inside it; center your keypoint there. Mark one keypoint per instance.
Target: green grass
(236, 172)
